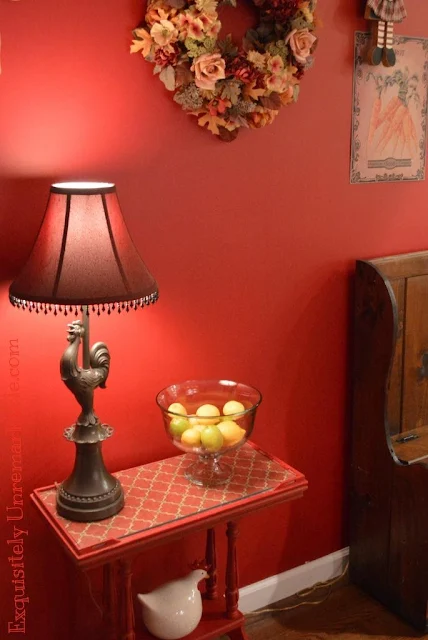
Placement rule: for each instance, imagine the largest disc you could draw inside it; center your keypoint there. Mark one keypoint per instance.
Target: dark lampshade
(83, 255)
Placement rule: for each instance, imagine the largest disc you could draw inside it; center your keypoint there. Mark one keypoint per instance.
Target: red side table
(162, 505)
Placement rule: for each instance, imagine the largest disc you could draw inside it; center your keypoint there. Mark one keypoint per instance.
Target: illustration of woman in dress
(384, 13)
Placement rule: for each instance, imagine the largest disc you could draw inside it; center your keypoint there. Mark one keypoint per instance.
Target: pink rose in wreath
(301, 42)
(208, 68)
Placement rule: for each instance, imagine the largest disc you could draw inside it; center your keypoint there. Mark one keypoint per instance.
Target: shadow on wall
(22, 206)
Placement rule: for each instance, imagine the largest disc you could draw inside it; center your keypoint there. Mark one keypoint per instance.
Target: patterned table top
(158, 496)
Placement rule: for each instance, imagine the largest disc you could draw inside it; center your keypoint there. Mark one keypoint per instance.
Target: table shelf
(213, 624)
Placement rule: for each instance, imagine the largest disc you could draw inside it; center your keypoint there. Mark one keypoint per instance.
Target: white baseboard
(266, 592)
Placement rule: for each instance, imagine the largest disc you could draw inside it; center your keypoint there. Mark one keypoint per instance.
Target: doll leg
(388, 58)
(375, 53)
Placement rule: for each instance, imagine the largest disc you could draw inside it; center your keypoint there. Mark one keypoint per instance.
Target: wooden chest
(389, 478)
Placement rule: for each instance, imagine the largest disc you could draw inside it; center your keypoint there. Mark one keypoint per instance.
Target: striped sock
(381, 34)
(389, 35)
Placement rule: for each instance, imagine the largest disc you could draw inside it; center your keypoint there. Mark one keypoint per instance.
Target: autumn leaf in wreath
(228, 86)
(250, 92)
(213, 123)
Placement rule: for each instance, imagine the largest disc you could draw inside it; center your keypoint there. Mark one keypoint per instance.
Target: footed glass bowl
(208, 418)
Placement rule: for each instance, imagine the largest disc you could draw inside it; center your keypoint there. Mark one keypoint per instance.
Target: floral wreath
(225, 86)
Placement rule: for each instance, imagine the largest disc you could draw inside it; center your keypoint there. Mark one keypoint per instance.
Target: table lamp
(84, 260)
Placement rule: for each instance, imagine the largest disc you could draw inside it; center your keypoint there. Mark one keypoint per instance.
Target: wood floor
(346, 614)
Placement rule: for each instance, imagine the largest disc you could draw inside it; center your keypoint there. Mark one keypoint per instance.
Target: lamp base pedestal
(90, 493)
(80, 509)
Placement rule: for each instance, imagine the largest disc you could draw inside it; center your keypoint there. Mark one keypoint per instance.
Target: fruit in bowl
(208, 418)
(209, 429)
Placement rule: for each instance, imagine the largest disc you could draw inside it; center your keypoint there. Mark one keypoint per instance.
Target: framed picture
(389, 115)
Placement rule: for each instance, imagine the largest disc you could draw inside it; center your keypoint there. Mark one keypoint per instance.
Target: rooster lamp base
(90, 493)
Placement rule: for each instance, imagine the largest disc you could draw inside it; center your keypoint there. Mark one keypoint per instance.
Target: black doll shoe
(374, 56)
(388, 57)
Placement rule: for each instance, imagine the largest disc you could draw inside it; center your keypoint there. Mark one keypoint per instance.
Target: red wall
(252, 243)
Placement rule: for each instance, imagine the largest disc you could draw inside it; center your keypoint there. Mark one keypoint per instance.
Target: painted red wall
(252, 243)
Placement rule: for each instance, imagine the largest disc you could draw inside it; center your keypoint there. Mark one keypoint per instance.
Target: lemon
(209, 414)
(233, 406)
(176, 407)
(199, 427)
(232, 433)
(191, 437)
(178, 426)
(211, 438)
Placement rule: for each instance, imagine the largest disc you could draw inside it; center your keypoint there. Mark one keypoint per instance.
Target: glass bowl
(208, 418)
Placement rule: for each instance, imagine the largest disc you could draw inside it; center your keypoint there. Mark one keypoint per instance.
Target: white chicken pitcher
(174, 610)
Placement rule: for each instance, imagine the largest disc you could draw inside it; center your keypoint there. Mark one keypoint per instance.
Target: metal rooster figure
(90, 493)
(83, 382)
(385, 13)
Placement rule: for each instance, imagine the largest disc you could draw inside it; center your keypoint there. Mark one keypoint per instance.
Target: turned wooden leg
(232, 591)
(210, 556)
(127, 622)
(110, 613)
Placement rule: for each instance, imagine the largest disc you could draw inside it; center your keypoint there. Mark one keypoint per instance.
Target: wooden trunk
(389, 482)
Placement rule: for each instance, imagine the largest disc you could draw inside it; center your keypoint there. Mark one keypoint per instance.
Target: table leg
(232, 591)
(211, 558)
(127, 621)
(110, 617)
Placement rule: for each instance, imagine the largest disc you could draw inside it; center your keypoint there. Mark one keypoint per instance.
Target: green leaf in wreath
(210, 44)
(251, 41)
(278, 48)
(167, 75)
(195, 48)
(231, 91)
(253, 35)
(227, 47)
(300, 23)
